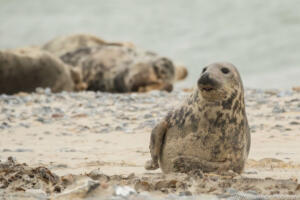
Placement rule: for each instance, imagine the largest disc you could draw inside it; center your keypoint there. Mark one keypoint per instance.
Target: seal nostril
(204, 69)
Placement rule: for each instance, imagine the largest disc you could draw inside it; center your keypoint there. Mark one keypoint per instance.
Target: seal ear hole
(204, 69)
(225, 70)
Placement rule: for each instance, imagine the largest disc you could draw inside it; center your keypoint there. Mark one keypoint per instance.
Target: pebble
(231, 191)
(67, 149)
(4, 125)
(42, 120)
(124, 191)
(294, 123)
(285, 93)
(147, 116)
(23, 150)
(104, 130)
(119, 128)
(278, 109)
(185, 193)
(24, 125)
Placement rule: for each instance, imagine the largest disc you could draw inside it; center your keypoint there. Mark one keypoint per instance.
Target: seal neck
(233, 104)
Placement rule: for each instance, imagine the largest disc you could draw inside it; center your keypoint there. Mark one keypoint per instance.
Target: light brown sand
(64, 147)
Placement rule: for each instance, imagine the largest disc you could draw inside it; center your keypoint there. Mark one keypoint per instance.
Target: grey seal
(116, 66)
(121, 69)
(25, 69)
(209, 131)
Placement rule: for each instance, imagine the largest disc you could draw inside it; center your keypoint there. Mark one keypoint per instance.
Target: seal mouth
(207, 88)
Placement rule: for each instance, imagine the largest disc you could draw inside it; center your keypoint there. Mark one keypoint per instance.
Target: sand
(102, 140)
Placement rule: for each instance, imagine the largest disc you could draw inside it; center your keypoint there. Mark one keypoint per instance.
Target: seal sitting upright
(209, 132)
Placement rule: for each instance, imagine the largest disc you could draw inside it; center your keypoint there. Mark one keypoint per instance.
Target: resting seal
(112, 68)
(23, 70)
(116, 66)
(209, 132)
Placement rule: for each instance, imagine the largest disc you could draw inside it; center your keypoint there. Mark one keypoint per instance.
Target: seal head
(218, 81)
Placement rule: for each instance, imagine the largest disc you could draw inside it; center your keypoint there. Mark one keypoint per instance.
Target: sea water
(262, 38)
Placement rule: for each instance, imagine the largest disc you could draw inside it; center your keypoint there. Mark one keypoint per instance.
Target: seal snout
(207, 83)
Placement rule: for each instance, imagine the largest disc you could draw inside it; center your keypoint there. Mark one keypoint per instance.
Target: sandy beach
(83, 84)
(104, 138)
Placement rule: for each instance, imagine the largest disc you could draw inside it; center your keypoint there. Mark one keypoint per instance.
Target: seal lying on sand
(209, 132)
(122, 69)
(116, 67)
(26, 69)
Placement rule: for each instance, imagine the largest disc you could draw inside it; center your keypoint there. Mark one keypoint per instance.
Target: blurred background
(262, 38)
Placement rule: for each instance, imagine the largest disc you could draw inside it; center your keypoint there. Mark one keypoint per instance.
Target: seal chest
(209, 132)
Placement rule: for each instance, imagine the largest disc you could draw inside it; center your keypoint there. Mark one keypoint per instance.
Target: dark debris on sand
(20, 177)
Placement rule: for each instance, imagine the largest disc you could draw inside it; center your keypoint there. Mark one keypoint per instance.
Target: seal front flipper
(155, 147)
(184, 164)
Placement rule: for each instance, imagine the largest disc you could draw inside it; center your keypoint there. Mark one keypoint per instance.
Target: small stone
(130, 176)
(47, 91)
(81, 115)
(294, 123)
(4, 125)
(124, 191)
(291, 193)
(250, 172)
(119, 128)
(57, 189)
(252, 192)
(147, 116)
(166, 184)
(57, 115)
(66, 149)
(23, 150)
(96, 174)
(271, 92)
(47, 132)
(284, 93)
(24, 125)
(231, 191)
(61, 166)
(83, 190)
(66, 134)
(39, 90)
(278, 109)
(185, 193)
(142, 185)
(42, 120)
(104, 130)
(274, 192)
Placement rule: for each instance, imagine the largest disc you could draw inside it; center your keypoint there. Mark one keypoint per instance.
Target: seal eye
(204, 69)
(225, 70)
